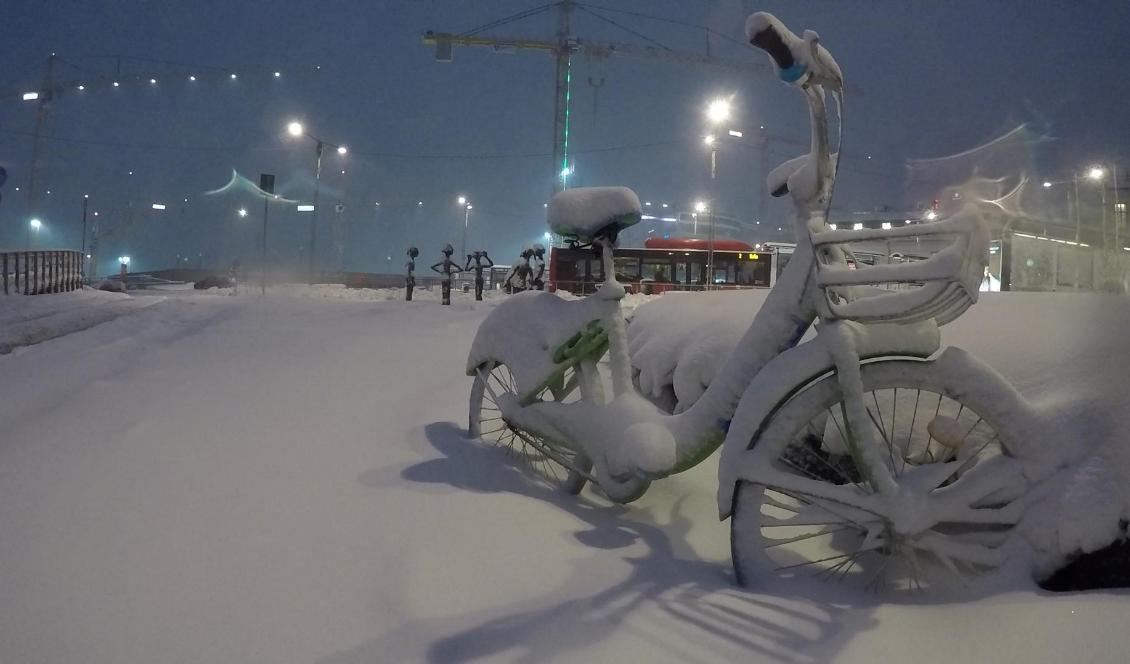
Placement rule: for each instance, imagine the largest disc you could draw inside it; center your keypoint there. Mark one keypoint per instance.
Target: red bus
(663, 265)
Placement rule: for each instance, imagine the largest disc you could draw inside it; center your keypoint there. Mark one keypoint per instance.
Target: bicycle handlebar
(770, 35)
(799, 60)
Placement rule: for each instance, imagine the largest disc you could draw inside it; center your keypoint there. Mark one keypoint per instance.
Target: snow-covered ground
(285, 479)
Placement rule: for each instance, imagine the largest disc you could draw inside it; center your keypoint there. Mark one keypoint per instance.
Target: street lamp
(462, 201)
(295, 128)
(717, 112)
(242, 212)
(33, 225)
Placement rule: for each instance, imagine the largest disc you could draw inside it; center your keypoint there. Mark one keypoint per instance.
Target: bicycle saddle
(586, 213)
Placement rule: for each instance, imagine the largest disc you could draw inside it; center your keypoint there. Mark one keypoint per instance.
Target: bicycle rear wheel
(556, 464)
(808, 512)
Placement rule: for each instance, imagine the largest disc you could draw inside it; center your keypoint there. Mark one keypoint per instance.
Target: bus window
(656, 270)
(627, 268)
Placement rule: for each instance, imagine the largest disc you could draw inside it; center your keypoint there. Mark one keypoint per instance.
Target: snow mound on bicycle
(585, 211)
(523, 331)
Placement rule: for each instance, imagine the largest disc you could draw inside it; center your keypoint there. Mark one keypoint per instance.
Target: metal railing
(40, 272)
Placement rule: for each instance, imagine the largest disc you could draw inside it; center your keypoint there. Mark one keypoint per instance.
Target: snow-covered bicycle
(865, 454)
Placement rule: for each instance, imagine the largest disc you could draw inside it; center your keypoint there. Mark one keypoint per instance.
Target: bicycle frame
(790, 309)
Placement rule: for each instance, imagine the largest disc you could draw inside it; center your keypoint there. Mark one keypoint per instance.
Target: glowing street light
(700, 206)
(462, 201)
(158, 206)
(1047, 185)
(718, 111)
(36, 224)
(708, 140)
(124, 260)
(295, 128)
(242, 212)
(278, 74)
(31, 96)
(1096, 173)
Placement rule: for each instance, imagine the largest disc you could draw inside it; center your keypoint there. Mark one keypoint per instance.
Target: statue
(447, 267)
(478, 257)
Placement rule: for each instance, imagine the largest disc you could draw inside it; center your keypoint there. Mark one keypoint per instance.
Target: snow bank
(31, 319)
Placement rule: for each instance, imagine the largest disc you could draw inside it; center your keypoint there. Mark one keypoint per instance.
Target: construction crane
(563, 48)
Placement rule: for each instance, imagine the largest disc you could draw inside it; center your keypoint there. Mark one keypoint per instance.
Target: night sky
(930, 79)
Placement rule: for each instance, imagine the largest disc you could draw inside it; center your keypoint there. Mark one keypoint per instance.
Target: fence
(39, 272)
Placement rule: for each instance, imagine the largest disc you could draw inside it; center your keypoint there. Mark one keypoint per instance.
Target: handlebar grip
(765, 32)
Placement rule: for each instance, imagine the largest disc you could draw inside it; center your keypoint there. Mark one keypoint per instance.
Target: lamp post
(717, 112)
(85, 201)
(296, 129)
(462, 200)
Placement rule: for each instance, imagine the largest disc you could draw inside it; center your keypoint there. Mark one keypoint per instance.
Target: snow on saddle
(585, 213)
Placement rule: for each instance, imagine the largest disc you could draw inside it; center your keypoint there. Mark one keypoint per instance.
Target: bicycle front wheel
(808, 511)
(555, 464)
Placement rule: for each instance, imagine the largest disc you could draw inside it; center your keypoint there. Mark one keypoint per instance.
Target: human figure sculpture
(537, 270)
(447, 267)
(410, 275)
(478, 257)
(518, 279)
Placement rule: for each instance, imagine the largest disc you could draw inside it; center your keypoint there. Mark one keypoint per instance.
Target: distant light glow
(700, 206)
(648, 203)
(854, 227)
(36, 224)
(708, 139)
(735, 133)
(305, 208)
(153, 81)
(31, 96)
(124, 260)
(278, 74)
(830, 226)
(81, 87)
(548, 236)
(116, 84)
(294, 128)
(341, 149)
(1096, 173)
(190, 77)
(419, 203)
(664, 205)
(158, 206)
(462, 200)
(718, 110)
(886, 225)
(1047, 184)
(242, 212)
(566, 172)
(233, 76)
(931, 215)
